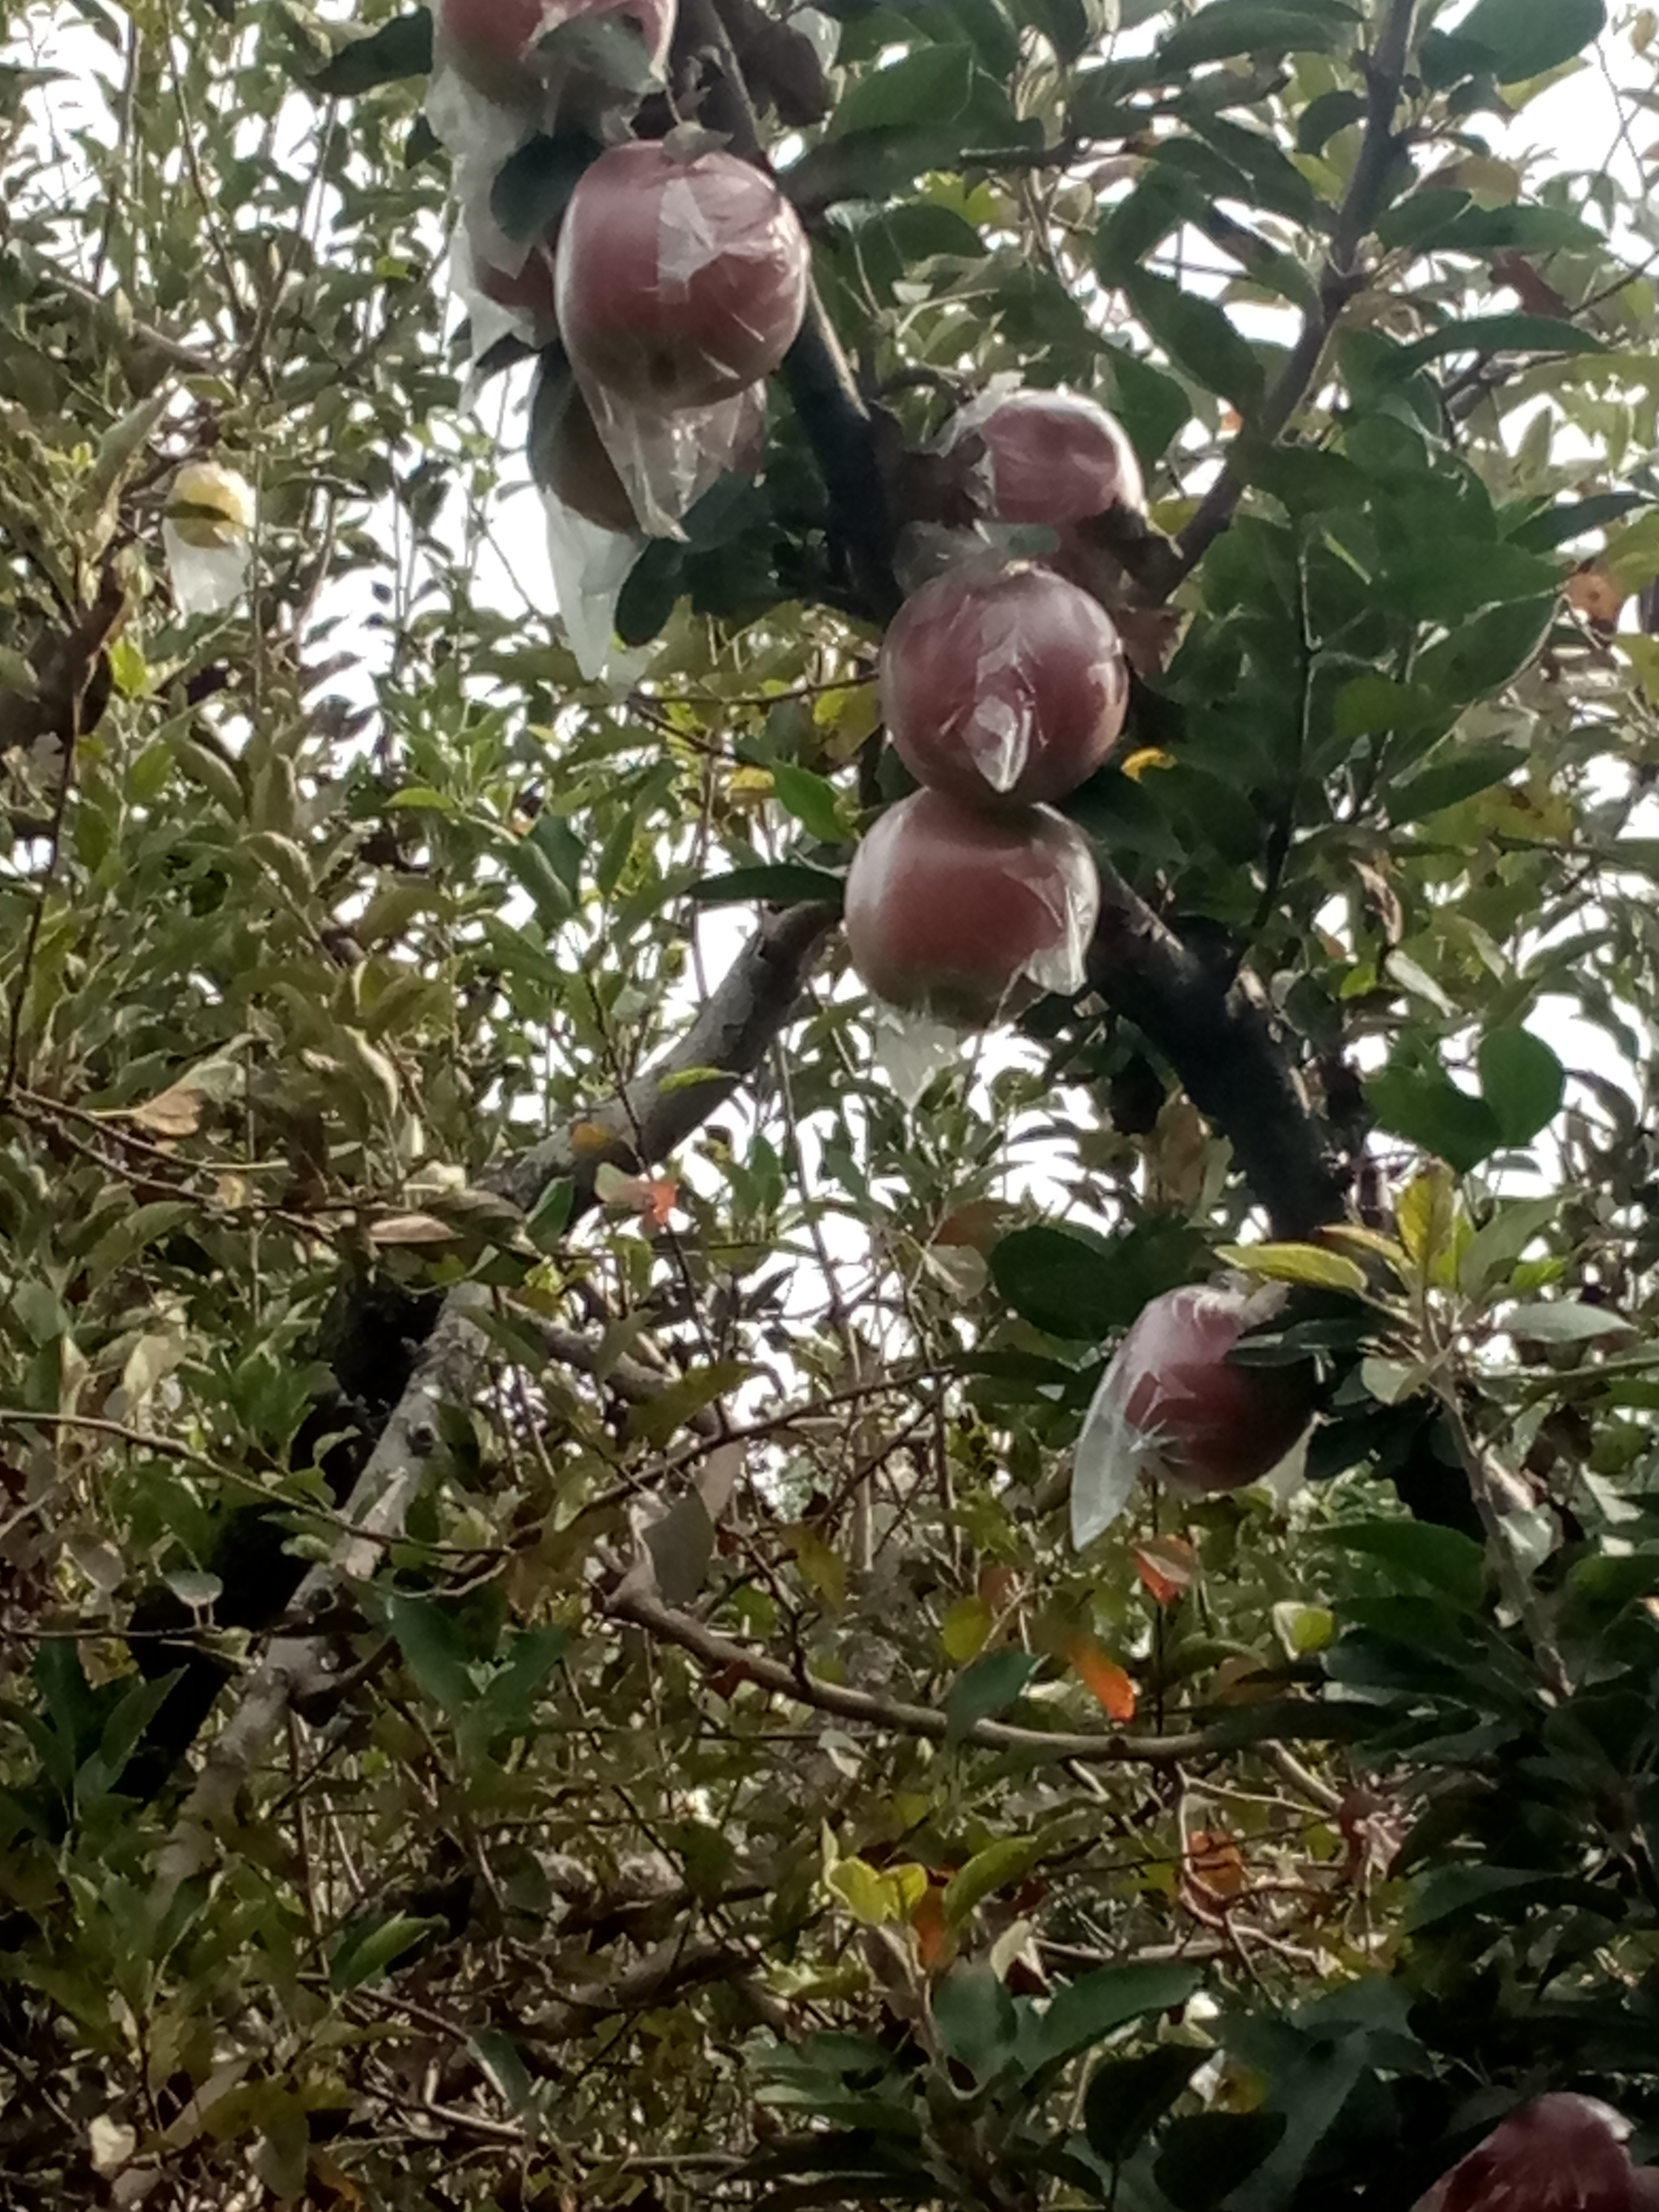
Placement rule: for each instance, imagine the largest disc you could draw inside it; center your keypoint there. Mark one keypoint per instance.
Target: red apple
(1050, 458)
(681, 282)
(1562, 2154)
(1192, 1418)
(1003, 684)
(579, 471)
(492, 42)
(965, 915)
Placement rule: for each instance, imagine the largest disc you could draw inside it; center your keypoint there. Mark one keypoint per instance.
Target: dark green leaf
(1228, 27)
(1096, 2005)
(655, 583)
(401, 48)
(1198, 338)
(1495, 334)
(1520, 38)
(433, 1650)
(1203, 2160)
(1443, 1559)
(1480, 656)
(812, 801)
(364, 1955)
(1455, 1893)
(1521, 1081)
(930, 86)
(1074, 1283)
(533, 185)
(975, 2018)
(1445, 783)
(786, 883)
(1430, 1111)
(990, 1686)
(1321, 119)
(1127, 2098)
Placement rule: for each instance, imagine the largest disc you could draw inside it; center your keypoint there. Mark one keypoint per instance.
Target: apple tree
(827, 1319)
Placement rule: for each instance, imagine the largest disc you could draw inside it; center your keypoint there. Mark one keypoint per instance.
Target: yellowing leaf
(1146, 757)
(1594, 594)
(1368, 1240)
(1304, 1629)
(935, 1944)
(1424, 1215)
(1297, 1263)
(963, 1632)
(1104, 1678)
(825, 1570)
(411, 1229)
(877, 1895)
(591, 1137)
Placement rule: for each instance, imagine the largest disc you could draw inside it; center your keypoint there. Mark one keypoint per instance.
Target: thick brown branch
(1218, 1033)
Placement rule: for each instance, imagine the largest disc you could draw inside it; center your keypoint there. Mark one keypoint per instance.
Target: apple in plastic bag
(1561, 2153)
(1174, 1406)
(964, 916)
(681, 280)
(1050, 458)
(1003, 684)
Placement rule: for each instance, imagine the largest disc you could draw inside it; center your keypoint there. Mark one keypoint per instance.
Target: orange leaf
(1593, 594)
(999, 1586)
(651, 1197)
(1102, 1677)
(1166, 1565)
(1215, 1862)
(934, 1943)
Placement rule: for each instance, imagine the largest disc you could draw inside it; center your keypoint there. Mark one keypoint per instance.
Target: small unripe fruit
(1052, 459)
(1191, 1419)
(1003, 684)
(1561, 2153)
(680, 282)
(966, 916)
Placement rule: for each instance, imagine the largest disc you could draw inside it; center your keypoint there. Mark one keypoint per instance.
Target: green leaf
(1127, 2097)
(1429, 1110)
(1229, 28)
(990, 1686)
(398, 49)
(1198, 338)
(1074, 1283)
(1009, 1859)
(1516, 39)
(1468, 769)
(1455, 1893)
(1443, 1558)
(1521, 1081)
(364, 1955)
(975, 2018)
(1516, 333)
(427, 1636)
(787, 883)
(1481, 657)
(812, 799)
(931, 83)
(656, 1421)
(1096, 2005)
(1202, 2161)
(1563, 1320)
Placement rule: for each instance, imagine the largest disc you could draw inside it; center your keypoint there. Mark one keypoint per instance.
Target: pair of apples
(677, 278)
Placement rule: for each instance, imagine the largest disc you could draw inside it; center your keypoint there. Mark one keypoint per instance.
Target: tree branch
(1094, 1748)
(733, 1033)
(1218, 1034)
(1341, 280)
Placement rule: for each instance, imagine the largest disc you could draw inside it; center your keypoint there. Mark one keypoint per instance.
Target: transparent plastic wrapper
(505, 287)
(1173, 1406)
(962, 918)
(665, 461)
(1002, 682)
(1044, 457)
(590, 565)
(504, 69)
(682, 274)
(207, 535)
(1560, 2153)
